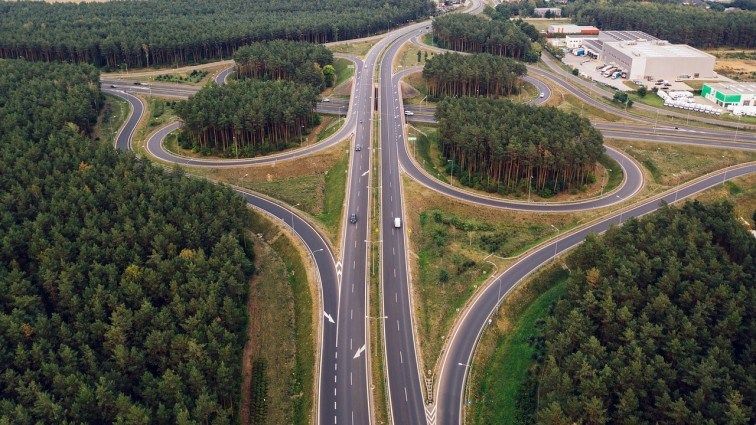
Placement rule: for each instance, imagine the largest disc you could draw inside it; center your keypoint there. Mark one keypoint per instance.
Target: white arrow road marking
(328, 316)
(359, 352)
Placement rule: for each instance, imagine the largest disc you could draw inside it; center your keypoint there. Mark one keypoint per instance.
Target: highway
(344, 395)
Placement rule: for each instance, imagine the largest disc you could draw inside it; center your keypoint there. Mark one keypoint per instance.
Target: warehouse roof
(733, 88)
(626, 36)
(657, 49)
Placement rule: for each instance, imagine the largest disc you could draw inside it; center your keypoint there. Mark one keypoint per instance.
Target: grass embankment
(497, 384)
(281, 346)
(194, 76)
(378, 377)
(314, 184)
(426, 150)
(358, 48)
(158, 112)
(344, 70)
(670, 165)
(113, 115)
(741, 192)
(456, 247)
(411, 55)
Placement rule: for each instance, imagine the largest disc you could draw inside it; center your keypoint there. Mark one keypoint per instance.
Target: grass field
(670, 165)
(408, 56)
(456, 247)
(359, 48)
(281, 332)
(315, 184)
(158, 112)
(505, 352)
(113, 114)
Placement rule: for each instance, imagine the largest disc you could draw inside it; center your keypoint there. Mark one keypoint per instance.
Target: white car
(326, 100)
(408, 113)
(542, 95)
(397, 222)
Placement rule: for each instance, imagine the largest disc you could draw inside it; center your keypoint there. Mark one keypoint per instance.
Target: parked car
(409, 113)
(542, 95)
(326, 100)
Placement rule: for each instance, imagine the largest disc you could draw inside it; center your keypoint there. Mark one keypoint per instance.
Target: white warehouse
(658, 59)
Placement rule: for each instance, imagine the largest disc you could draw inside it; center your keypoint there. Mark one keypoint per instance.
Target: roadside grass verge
(411, 55)
(670, 165)
(113, 115)
(314, 184)
(157, 113)
(328, 126)
(741, 192)
(359, 48)
(455, 247)
(498, 389)
(281, 334)
(344, 70)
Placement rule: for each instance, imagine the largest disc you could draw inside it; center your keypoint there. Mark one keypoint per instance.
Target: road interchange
(344, 328)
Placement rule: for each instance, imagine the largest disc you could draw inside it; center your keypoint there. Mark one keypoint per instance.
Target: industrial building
(730, 94)
(658, 59)
(572, 29)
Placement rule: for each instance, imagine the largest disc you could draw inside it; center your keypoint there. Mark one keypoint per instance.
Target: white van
(397, 222)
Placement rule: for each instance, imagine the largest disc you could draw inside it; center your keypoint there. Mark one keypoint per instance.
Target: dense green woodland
(170, 32)
(657, 325)
(284, 60)
(676, 23)
(483, 74)
(474, 34)
(122, 286)
(501, 146)
(247, 117)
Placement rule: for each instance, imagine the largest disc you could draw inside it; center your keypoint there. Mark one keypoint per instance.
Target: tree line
(174, 32)
(656, 325)
(283, 59)
(247, 117)
(498, 145)
(483, 74)
(677, 23)
(123, 286)
(474, 34)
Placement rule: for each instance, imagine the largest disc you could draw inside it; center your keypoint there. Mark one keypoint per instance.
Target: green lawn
(615, 172)
(332, 127)
(344, 70)
(498, 384)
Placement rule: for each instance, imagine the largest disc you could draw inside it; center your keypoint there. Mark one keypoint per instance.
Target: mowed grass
(282, 330)
(315, 184)
(498, 377)
(113, 115)
(670, 165)
(408, 56)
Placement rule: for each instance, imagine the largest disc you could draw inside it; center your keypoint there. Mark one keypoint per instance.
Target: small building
(552, 11)
(727, 94)
(658, 59)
